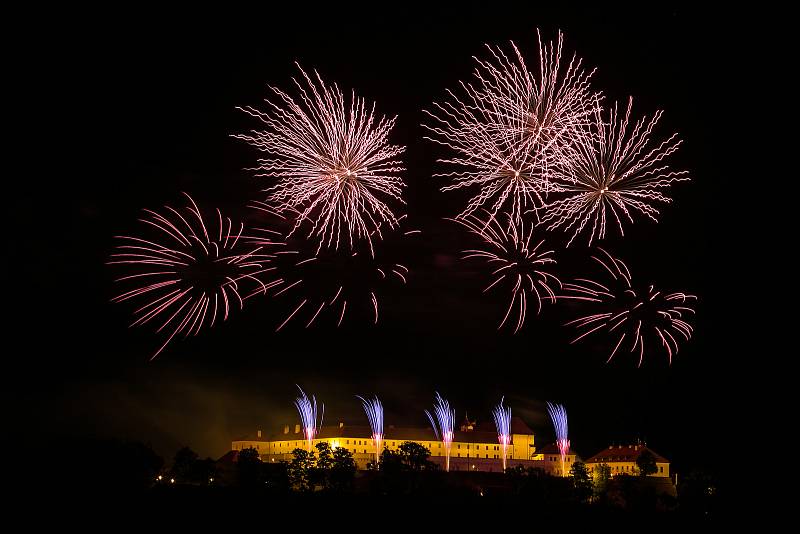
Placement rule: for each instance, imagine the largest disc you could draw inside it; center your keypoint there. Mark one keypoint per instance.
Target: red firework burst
(517, 266)
(332, 161)
(613, 171)
(509, 129)
(333, 284)
(632, 313)
(187, 274)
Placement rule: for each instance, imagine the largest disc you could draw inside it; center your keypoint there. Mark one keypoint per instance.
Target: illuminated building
(474, 447)
(621, 459)
(550, 457)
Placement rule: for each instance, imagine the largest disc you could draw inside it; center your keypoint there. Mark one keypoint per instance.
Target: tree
(415, 456)
(343, 470)
(300, 469)
(646, 463)
(248, 468)
(581, 481)
(320, 474)
(602, 474)
(187, 468)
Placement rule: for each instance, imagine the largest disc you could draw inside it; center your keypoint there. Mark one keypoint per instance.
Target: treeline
(404, 473)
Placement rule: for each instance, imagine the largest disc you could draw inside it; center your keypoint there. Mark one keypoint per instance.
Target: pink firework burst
(519, 264)
(634, 316)
(510, 127)
(188, 274)
(612, 172)
(332, 285)
(332, 161)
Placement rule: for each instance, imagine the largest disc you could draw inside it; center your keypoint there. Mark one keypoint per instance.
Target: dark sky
(139, 106)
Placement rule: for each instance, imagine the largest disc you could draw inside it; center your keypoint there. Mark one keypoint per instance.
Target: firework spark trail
(443, 425)
(332, 282)
(517, 266)
(307, 408)
(330, 160)
(630, 312)
(374, 411)
(558, 415)
(510, 128)
(188, 273)
(502, 421)
(611, 173)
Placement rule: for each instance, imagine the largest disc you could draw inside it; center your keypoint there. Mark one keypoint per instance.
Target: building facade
(473, 448)
(621, 459)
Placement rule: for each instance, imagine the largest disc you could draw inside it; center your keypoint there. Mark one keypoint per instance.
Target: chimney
(286, 429)
(296, 429)
(341, 425)
(259, 433)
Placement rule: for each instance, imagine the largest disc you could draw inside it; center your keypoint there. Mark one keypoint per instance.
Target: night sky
(135, 110)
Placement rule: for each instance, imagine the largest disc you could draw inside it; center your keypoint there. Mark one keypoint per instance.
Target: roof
(551, 448)
(624, 453)
(484, 433)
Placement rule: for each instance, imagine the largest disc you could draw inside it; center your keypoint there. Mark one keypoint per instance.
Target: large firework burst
(188, 273)
(332, 161)
(637, 314)
(328, 284)
(518, 265)
(509, 128)
(612, 172)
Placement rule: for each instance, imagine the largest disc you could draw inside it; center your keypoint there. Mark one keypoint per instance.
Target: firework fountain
(191, 270)
(558, 414)
(307, 408)
(331, 161)
(630, 312)
(374, 411)
(443, 424)
(502, 420)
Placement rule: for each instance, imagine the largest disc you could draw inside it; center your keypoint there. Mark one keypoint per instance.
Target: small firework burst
(307, 408)
(332, 285)
(510, 127)
(502, 421)
(611, 173)
(558, 415)
(640, 315)
(443, 425)
(519, 264)
(374, 410)
(187, 273)
(331, 160)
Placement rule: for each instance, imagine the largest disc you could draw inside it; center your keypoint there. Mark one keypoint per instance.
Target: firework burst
(558, 415)
(443, 425)
(374, 411)
(639, 315)
(612, 173)
(510, 127)
(190, 273)
(502, 421)
(332, 161)
(307, 408)
(518, 265)
(331, 285)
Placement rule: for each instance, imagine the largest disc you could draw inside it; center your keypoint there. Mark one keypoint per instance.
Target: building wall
(629, 468)
(363, 449)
